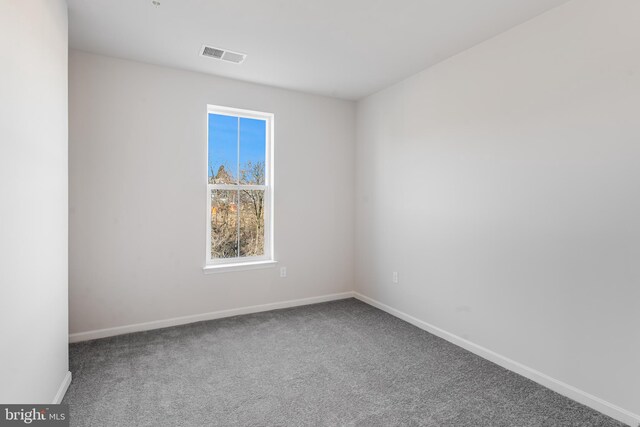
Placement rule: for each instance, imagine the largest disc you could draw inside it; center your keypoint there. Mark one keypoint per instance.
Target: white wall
(137, 155)
(503, 185)
(33, 200)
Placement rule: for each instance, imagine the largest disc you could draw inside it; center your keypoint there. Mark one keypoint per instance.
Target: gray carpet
(341, 363)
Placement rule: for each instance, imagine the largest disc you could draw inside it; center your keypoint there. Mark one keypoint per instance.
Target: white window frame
(239, 263)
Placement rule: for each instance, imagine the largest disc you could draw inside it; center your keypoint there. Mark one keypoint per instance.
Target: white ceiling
(342, 48)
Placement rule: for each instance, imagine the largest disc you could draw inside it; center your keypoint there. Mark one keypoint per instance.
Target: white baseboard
(567, 390)
(62, 390)
(157, 324)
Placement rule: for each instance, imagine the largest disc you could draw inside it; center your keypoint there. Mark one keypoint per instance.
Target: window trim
(242, 266)
(241, 263)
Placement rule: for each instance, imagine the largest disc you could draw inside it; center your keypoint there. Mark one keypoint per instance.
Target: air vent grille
(222, 54)
(212, 52)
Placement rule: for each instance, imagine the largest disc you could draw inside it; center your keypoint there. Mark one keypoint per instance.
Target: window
(239, 187)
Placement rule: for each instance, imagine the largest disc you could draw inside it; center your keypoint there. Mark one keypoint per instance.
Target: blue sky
(223, 138)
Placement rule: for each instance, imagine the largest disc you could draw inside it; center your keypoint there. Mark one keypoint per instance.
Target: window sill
(240, 266)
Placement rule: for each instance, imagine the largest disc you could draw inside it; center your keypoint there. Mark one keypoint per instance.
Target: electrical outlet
(395, 277)
(283, 271)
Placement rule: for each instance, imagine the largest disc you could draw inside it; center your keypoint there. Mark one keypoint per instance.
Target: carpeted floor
(341, 363)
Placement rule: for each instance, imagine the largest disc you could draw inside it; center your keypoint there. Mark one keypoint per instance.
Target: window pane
(223, 149)
(224, 224)
(252, 222)
(252, 150)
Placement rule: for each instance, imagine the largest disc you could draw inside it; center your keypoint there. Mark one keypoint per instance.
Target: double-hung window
(239, 187)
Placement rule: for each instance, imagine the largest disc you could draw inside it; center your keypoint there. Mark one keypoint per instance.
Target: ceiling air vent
(222, 54)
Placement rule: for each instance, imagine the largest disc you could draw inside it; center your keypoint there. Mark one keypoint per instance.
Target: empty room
(319, 213)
